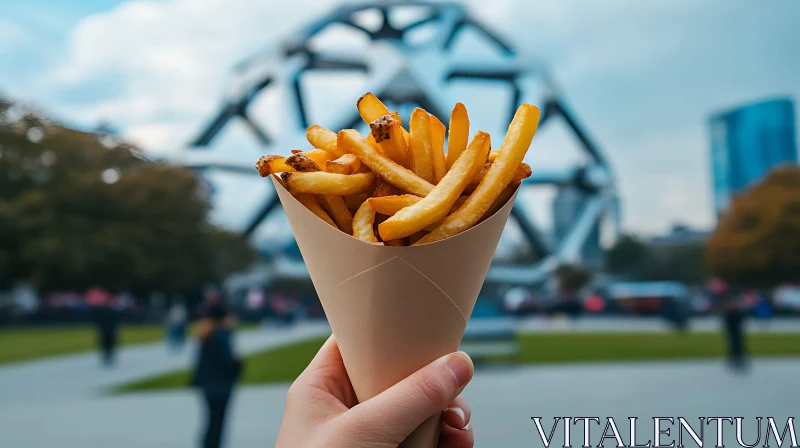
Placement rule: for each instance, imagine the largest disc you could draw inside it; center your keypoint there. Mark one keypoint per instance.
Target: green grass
(24, 344)
(278, 365)
(282, 365)
(559, 348)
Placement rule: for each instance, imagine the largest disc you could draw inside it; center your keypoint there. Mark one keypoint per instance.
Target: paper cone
(393, 310)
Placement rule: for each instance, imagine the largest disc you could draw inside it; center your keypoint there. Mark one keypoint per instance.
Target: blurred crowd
(25, 305)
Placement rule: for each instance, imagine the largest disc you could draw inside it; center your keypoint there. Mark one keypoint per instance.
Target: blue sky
(643, 76)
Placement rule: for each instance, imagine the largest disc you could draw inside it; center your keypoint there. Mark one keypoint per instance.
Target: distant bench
(487, 338)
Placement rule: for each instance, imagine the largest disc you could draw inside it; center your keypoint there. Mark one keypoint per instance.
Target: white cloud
(641, 75)
(173, 58)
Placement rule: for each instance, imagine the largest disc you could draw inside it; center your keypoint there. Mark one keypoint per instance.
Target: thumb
(396, 412)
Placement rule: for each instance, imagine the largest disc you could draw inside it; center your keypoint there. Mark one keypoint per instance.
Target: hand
(322, 410)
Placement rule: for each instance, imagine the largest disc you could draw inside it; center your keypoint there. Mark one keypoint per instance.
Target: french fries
(459, 134)
(515, 146)
(354, 201)
(338, 211)
(396, 187)
(267, 165)
(310, 201)
(346, 164)
(523, 172)
(386, 132)
(437, 149)
(501, 200)
(324, 139)
(302, 163)
(437, 203)
(389, 205)
(419, 145)
(364, 222)
(383, 188)
(320, 182)
(370, 108)
(382, 165)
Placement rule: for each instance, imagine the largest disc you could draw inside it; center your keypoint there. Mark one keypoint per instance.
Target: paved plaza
(60, 402)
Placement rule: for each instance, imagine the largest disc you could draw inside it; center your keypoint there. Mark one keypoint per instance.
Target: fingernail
(460, 365)
(461, 417)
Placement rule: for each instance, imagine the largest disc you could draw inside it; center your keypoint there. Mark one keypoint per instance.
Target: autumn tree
(757, 241)
(571, 278)
(79, 209)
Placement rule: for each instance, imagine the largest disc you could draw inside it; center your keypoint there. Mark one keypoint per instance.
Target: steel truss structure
(402, 72)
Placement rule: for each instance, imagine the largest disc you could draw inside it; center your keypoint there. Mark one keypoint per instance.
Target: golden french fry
(267, 165)
(320, 156)
(389, 171)
(346, 164)
(500, 174)
(523, 172)
(459, 134)
(370, 108)
(419, 147)
(437, 149)
(311, 203)
(383, 188)
(386, 132)
(302, 163)
(337, 209)
(459, 202)
(501, 200)
(493, 155)
(438, 202)
(363, 223)
(354, 201)
(389, 205)
(324, 139)
(320, 182)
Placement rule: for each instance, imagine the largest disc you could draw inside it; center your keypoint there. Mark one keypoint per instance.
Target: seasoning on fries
(398, 187)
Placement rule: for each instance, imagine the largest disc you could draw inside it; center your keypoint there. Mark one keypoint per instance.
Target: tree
(571, 278)
(626, 255)
(637, 260)
(757, 241)
(78, 210)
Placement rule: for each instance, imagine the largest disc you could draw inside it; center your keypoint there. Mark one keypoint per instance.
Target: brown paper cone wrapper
(394, 310)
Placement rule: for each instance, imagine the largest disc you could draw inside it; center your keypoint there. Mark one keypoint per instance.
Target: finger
(327, 372)
(401, 408)
(456, 438)
(457, 413)
(327, 356)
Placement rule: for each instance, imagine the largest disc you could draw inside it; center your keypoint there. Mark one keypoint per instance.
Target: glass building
(567, 206)
(747, 142)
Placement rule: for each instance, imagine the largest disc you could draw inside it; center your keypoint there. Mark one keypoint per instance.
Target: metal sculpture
(401, 73)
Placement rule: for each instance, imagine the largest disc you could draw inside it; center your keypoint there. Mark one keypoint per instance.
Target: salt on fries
(399, 187)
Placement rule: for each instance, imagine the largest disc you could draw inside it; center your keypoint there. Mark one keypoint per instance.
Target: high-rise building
(567, 206)
(747, 142)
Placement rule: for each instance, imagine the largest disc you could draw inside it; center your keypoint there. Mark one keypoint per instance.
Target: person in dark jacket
(216, 372)
(731, 308)
(106, 322)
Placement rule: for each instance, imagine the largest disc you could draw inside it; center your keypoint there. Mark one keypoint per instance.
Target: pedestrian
(216, 371)
(105, 319)
(176, 326)
(730, 303)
